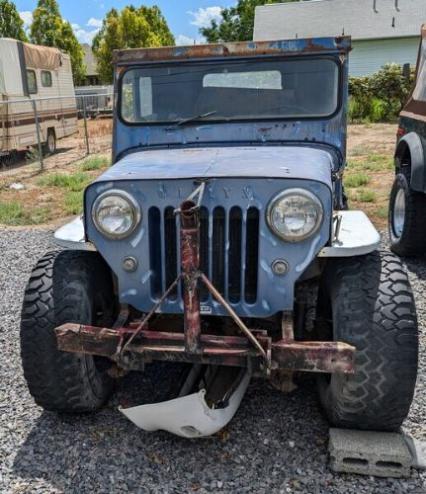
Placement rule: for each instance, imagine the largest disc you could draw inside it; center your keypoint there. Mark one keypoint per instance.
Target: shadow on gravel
(416, 266)
(273, 437)
(276, 442)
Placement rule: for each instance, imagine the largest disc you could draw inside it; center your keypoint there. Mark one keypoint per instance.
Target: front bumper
(234, 351)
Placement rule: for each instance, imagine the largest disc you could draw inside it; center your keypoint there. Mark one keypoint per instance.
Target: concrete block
(382, 454)
(418, 452)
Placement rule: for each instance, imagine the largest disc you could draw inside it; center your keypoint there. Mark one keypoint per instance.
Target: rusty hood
(295, 162)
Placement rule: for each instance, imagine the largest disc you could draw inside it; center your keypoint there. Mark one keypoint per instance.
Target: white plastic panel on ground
(188, 416)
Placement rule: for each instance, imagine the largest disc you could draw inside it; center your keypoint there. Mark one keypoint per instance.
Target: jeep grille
(229, 246)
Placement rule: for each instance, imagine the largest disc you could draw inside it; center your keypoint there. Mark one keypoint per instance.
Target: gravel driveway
(276, 443)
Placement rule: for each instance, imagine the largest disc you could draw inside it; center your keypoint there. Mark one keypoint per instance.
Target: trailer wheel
(50, 145)
(369, 304)
(65, 286)
(407, 214)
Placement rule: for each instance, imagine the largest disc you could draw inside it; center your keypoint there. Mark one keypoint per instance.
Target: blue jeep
(220, 241)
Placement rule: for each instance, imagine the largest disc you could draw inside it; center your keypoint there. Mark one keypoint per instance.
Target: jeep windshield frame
(230, 90)
(328, 131)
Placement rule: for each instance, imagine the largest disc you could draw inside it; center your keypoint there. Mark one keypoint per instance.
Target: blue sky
(184, 16)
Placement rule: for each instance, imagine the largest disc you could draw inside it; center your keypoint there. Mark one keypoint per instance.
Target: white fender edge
(188, 416)
(72, 236)
(357, 236)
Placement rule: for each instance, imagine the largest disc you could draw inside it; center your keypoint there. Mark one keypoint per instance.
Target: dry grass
(51, 195)
(370, 171)
(58, 191)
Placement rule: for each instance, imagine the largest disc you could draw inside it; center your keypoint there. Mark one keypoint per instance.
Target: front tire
(370, 304)
(407, 219)
(65, 286)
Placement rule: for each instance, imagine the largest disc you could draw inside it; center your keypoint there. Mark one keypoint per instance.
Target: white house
(383, 31)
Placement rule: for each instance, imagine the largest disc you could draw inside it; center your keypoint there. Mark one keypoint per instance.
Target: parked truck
(407, 210)
(36, 90)
(219, 240)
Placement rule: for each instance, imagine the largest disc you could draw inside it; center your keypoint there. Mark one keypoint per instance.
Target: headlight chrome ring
(125, 204)
(295, 215)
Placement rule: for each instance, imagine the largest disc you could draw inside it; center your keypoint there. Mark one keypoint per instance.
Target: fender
(416, 146)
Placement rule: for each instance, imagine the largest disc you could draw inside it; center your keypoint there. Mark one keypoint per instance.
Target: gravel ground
(276, 443)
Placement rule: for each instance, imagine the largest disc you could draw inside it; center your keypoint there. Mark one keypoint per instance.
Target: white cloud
(203, 17)
(83, 35)
(183, 40)
(92, 22)
(27, 17)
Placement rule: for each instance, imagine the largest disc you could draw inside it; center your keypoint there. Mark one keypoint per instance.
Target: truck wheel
(65, 286)
(369, 303)
(50, 145)
(407, 213)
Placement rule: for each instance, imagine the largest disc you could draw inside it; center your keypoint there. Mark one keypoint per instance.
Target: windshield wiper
(195, 117)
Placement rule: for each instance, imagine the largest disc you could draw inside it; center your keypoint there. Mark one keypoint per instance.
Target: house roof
(89, 60)
(361, 19)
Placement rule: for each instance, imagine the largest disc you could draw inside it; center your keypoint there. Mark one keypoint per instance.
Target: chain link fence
(37, 134)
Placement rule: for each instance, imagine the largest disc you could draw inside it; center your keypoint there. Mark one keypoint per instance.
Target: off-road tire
(412, 241)
(65, 286)
(371, 306)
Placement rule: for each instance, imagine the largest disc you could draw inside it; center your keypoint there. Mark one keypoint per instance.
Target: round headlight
(116, 214)
(295, 215)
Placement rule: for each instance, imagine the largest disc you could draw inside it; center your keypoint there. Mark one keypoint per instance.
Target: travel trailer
(34, 78)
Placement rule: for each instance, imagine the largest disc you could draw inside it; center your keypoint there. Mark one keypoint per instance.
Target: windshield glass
(231, 91)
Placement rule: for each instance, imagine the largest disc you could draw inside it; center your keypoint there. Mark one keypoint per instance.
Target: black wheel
(66, 286)
(407, 219)
(50, 146)
(368, 303)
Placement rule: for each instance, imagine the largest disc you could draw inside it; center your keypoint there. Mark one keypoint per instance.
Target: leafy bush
(379, 97)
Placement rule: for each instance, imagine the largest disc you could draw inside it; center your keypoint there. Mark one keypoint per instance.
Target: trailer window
(46, 78)
(32, 81)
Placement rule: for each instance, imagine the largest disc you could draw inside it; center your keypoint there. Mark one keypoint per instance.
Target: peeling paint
(137, 240)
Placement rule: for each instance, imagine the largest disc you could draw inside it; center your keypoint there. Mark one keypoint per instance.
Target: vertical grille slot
(170, 250)
(154, 223)
(204, 250)
(234, 255)
(252, 255)
(218, 240)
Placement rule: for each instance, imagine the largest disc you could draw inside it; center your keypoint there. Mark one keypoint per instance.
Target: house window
(32, 81)
(46, 78)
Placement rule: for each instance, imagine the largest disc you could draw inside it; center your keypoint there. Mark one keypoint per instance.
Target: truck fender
(73, 236)
(416, 146)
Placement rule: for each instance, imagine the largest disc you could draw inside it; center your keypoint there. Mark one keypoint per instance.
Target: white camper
(40, 76)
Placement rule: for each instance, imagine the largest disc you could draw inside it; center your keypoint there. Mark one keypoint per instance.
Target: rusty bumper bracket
(326, 357)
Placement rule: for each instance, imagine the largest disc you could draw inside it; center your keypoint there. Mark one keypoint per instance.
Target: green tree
(11, 25)
(132, 27)
(237, 22)
(49, 29)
